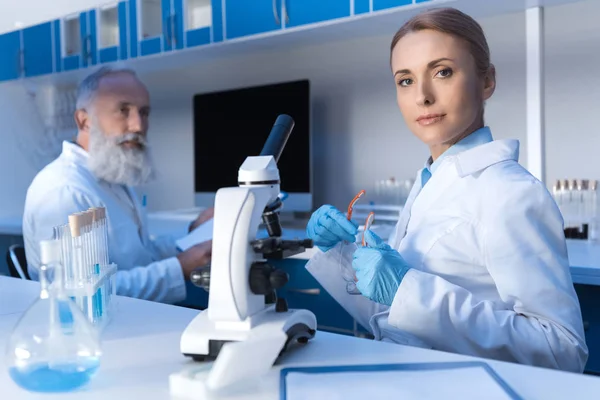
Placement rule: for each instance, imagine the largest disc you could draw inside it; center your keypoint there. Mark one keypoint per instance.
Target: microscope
(242, 285)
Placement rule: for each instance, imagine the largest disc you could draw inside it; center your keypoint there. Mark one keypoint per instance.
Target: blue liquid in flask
(44, 377)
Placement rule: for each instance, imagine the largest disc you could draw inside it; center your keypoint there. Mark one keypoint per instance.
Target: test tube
(99, 295)
(104, 233)
(593, 210)
(77, 252)
(557, 194)
(95, 245)
(67, 252)
(579, 207)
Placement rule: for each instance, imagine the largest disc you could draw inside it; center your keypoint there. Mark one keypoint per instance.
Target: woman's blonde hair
(453, 22)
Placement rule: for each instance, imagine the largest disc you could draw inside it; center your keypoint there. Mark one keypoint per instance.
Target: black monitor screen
(232, 125)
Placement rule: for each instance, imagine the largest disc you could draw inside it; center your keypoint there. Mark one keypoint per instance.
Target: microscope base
(203, 338)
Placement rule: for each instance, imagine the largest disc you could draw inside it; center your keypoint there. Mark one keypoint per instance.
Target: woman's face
(438, 89)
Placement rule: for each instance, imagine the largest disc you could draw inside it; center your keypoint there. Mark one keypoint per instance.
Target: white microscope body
(239, 280)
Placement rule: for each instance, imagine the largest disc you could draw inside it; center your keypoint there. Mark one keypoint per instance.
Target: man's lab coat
(146, 269)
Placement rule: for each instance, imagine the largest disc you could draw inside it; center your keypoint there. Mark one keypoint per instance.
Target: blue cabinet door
(80, 50)
(74, 44)
(118, 51)
(197, 32)
(92, 38)
(155, 24)
(304, 292)
(123, 27)
(134, 41)
(302, 12)
(178, 27)
(37, 50)
(383, 4)
(362, 6)
(10, 56)
(245, 17)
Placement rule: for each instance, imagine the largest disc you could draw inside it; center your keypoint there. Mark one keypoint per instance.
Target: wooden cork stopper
(75, 224)
(95, 214)
(89, 218)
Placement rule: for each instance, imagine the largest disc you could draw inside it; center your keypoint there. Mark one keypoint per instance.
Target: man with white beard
(109, 157)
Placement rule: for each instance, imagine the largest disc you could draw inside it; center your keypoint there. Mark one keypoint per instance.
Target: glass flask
(53, 347)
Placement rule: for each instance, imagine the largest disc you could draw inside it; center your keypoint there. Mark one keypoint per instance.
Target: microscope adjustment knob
(201, 277)
(278, 279)
(264, 278)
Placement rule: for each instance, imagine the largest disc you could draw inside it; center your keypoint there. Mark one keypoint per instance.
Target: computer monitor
(234, 124)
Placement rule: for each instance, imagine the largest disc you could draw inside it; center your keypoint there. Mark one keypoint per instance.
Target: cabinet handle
(89, 45)
(167, 30)
(23, 68)
(86, 48)
(19, 62)
(285, 13)
(173, 34)
(276, 13)
(312, 292)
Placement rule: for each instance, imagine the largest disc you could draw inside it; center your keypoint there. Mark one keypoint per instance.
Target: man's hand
(202, 218)
(194, 257)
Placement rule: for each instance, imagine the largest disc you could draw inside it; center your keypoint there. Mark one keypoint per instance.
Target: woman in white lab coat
(478, 261)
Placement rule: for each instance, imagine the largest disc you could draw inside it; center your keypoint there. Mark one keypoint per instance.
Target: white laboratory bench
(141, 349)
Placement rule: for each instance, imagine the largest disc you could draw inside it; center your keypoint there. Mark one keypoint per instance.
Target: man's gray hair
(89, 86)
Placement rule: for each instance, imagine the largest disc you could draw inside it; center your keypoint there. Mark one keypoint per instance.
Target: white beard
(114, 163)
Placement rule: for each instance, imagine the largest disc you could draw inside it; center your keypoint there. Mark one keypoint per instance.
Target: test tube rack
(88, 276)
(94, 295)
(577, 200)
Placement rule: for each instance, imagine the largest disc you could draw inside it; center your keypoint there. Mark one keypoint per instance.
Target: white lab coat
(146, 269)
(490, 273)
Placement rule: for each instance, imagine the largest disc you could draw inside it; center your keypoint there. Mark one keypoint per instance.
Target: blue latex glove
(328, 226)
(379, 269)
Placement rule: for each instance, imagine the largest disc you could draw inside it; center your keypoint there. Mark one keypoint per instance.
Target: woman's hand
(379, 269)
(328, 226)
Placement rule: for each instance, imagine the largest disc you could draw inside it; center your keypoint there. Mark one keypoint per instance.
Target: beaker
(53, 347)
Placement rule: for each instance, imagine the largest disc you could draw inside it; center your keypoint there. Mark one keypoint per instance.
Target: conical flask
(53, 347)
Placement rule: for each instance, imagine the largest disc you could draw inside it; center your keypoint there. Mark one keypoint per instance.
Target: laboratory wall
(572, 92)
(359, 135)
(18, 121)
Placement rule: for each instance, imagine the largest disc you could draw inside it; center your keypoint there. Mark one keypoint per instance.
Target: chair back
(17, 264)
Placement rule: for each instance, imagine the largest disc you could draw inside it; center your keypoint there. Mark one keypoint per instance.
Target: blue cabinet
(159, 25)
(37, 50)
(303, 291)
(202, 19)
(10, 56)
(383, 4)
(112, 23)
(244, 17)
(362, 6)
(79, 45)
(302, 12)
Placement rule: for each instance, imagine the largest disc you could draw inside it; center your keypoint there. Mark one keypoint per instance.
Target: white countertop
(141, 349)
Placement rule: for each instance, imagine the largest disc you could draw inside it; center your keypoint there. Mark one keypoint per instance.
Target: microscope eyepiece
(281, 131)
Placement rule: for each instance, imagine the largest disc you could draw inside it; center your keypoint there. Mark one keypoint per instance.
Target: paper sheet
(202, 233)
(460, 383)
